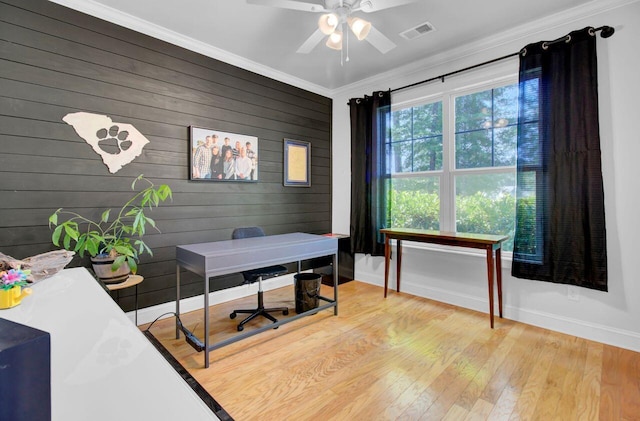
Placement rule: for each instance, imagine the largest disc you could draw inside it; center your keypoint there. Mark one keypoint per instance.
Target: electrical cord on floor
(188, 335)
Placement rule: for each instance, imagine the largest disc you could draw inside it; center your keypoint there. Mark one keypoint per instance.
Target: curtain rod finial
(607, 31)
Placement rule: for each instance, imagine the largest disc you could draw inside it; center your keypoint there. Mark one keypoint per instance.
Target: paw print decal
(114, 140)
(117, 143)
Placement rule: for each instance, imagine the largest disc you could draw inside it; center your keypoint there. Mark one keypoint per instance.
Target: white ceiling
(265, 39)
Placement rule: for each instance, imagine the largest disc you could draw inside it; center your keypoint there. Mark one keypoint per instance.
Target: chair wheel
(276, 327)
(285, 312)
(233, 315)
(240, 328)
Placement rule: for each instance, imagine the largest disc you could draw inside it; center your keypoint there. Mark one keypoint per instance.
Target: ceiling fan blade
(370, 6)
(382, 43)
(311, 42)
(290, 4)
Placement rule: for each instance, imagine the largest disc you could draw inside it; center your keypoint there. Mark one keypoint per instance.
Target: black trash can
(307, 286)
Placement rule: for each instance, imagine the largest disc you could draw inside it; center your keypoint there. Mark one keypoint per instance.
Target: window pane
(401, 124)
(416, 139)
(399, 157)
(505, 106)
(473, 149)
(505, 146)
(427, 120)
(486, 128)
(473, 111)
(528, 223)
(427, 154)
(530, 99)
(529, 148)
(415, 202)
(485, 204)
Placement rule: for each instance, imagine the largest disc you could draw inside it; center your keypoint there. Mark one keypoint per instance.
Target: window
(452, 159)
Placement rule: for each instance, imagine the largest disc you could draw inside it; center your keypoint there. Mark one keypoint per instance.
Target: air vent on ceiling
(418, 31)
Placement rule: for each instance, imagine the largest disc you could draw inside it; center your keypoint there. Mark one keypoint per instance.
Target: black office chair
(254, 275)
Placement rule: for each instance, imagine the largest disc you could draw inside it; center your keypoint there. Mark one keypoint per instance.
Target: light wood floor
(406, 358)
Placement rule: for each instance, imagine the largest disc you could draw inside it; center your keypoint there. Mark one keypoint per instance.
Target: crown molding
(117, 17)
(522, 33)
(415, 69)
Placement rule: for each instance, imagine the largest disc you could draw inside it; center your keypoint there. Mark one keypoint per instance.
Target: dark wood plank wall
(54, 61)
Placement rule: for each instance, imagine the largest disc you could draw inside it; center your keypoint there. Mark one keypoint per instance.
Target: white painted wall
(459, 277)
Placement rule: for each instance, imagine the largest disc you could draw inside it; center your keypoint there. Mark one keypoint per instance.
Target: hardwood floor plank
(479, 383)
(453, 381)
(588, 391)
(568, 402)
(620, 385)
(405, 358)
(456, 413)
(516, 368)
(611, 379)
(533, 389)
(480, 411)
(629, 365)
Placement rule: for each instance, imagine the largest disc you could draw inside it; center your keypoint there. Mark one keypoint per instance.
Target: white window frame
(461, 87)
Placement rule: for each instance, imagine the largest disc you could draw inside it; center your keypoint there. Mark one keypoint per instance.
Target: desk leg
(398, 263)
(499, 279)
(387, 256)
(335, 283)
(490, 278)
(177, 300)
(206, 317)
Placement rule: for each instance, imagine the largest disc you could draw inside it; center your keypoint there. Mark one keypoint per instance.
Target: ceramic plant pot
(102, 268)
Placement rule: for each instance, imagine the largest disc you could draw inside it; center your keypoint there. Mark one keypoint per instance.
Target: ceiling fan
(335, 15)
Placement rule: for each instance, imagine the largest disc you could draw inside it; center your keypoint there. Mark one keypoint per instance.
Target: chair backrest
(247, 232)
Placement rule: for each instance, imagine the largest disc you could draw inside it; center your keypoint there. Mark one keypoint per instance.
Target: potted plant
(114, 244)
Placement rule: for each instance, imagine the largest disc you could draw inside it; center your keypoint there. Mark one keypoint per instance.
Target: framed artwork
(297, 163)
(221, 156)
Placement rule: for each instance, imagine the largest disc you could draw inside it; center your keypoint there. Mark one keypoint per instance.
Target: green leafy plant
(121, 237)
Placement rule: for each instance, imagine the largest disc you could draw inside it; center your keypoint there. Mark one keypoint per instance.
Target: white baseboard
(592, 331)
(149, 314)
(595, 332)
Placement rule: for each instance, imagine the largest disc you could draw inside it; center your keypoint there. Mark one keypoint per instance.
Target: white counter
(102, 366)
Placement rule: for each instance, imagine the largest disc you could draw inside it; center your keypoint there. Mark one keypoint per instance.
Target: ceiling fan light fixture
(328, 23)
(335, 40)
(359, 27)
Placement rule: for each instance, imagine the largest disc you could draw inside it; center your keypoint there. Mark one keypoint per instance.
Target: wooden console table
(490, 243)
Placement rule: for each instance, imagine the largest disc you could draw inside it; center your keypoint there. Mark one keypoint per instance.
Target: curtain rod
(607, 31)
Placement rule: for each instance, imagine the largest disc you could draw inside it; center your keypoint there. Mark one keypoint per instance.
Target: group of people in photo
(217, 160)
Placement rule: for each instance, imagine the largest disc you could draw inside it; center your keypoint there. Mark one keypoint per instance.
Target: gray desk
(233, 256)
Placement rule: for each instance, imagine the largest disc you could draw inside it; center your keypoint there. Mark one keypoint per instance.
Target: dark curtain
(560, 220)
(369, 122)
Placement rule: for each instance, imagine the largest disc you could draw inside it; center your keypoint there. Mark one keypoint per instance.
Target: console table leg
(387, 256)
(398, 263)
(499, 279)
(490, 278)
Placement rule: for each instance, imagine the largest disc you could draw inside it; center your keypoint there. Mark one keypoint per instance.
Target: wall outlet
(573, 293)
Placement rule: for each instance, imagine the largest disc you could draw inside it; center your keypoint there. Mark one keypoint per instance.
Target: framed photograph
(297, 163)
(222, 156)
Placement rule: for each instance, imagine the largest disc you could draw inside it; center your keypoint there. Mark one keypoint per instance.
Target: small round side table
(132, 280)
